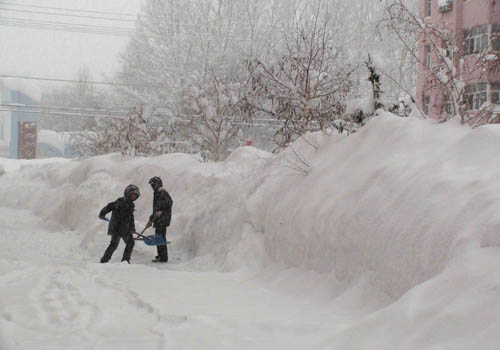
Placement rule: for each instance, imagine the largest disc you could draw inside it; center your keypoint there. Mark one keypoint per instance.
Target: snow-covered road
(58, 299)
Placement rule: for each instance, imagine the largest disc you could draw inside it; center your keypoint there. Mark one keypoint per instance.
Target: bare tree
(298, 55)
(78, 98)
(303, 87)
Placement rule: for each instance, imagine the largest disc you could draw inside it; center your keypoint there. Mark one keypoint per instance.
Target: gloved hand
(149, 224)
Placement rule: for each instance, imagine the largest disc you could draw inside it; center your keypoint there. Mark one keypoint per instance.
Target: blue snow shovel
(153, 240)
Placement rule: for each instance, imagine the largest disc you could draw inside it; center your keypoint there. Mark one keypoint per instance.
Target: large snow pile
(396, 226)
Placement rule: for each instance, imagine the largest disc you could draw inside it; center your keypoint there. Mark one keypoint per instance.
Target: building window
(495, 93)
(495, 37)
(428, 56)
(427, 103)
(475, 96)
(428, 8)
(448, 106)
(476, 39)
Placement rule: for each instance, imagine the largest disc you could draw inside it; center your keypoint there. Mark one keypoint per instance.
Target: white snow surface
(364, 104)
(386, 239)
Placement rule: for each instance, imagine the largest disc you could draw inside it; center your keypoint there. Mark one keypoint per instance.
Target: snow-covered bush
(210, 117)
(133, 135)
(359, 110)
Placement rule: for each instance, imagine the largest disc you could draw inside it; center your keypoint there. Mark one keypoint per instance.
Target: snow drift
(373, 216)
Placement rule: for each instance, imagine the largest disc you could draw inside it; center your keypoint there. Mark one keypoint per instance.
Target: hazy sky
(60, 54)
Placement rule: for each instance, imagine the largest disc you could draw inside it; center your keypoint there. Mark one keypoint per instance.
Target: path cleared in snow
(58, 300)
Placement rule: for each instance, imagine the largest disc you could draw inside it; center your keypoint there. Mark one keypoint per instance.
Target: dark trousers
(115, 240)
(162, 249)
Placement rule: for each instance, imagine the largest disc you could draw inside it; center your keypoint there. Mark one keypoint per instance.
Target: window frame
(475, 96)
(477, 39)
(448, 105)
(428, 56)
(495, 37)
(428, 8)
(495, 91)
(426, 102)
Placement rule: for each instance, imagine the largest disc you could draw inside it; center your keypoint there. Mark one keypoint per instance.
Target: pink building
(475, 27)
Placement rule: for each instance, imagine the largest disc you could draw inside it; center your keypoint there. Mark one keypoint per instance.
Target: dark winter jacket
(122, 216)
(162, 202)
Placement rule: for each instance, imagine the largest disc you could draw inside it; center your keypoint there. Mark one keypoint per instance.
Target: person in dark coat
(162, 215)
(121, 225)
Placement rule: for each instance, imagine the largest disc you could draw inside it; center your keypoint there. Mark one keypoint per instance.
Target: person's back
(162, 202)
(122, 215)
(121, 225)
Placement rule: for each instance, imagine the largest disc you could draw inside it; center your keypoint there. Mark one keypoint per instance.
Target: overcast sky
(61, 54)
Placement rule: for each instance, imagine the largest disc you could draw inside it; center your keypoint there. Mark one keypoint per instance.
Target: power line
(20, 109)
(62, 114)
(69, 10)
(13, 105)
(127, 110)
(72, 25)
(77, 81)
(67, 15)
(134, 16)
(70, 30)
(102, 30)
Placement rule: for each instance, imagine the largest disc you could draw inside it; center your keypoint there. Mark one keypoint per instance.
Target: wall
(17, 97)
(5, 126)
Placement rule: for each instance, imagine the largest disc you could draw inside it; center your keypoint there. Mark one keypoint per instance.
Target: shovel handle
(140, 234)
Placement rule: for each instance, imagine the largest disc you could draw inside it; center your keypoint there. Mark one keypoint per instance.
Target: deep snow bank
(394, 201)
(391, 205)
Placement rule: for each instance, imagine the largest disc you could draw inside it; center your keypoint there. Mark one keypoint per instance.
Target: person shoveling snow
(161, 216)
(121, 225)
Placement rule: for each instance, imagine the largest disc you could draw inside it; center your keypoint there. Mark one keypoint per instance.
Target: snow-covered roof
(21, 85)
(52, 138)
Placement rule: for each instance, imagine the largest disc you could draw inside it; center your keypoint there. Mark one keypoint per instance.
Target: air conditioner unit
(445, 5)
